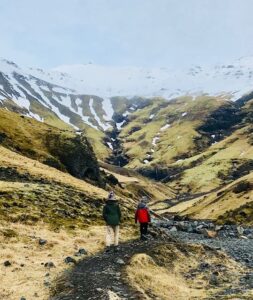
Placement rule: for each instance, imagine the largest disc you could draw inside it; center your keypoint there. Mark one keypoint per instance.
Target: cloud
(137, 32)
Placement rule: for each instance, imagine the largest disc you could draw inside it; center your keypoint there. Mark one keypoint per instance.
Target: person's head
(111, 196)
(143, 200)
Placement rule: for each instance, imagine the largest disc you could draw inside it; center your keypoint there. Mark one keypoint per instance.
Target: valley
(65, 143)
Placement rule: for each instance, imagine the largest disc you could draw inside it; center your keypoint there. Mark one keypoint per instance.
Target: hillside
(44, 201)
(62, 149)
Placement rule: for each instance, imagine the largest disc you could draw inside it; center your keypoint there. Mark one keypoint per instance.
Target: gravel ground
(238, 248)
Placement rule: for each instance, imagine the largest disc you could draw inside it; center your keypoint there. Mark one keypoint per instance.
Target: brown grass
(28, 281)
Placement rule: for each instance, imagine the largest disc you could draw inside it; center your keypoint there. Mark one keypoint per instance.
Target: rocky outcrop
(61, 149)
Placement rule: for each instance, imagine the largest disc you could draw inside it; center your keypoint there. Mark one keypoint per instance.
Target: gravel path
(239, 249)
(99, 277)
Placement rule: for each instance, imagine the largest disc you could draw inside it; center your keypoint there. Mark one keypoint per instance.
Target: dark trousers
(143, 229)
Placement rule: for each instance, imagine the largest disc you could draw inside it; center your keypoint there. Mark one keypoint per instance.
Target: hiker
(112, 216)
(142, 215)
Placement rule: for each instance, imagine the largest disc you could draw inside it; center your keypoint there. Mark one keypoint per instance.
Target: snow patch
(110, 145)
(119, 125)
(155, 140)
(104, 126)
(107, 107)
(165, 127)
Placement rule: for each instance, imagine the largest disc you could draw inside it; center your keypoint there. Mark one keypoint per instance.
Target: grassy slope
(174, 142)
(216, 163)
(227, 204)
(162, 273)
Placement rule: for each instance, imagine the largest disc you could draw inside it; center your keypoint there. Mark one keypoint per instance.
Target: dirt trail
(100, 276)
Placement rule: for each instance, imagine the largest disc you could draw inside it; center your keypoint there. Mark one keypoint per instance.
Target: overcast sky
(160, 33)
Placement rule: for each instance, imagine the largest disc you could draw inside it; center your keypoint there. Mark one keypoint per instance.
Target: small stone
(7, 263)
(209, 233)
(240, 230)
(49, 265)
(82, 251)
(218, 227)
(42, 242)
(120, 261)
(173, 229)
(69, 260)
(47, 282)
(22, 298)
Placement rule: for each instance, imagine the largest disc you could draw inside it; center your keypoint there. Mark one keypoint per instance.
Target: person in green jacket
(112, 216)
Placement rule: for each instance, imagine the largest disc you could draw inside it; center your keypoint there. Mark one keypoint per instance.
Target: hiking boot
(108, 249)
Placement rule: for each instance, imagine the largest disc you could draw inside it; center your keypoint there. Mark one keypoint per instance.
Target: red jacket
(142, 214)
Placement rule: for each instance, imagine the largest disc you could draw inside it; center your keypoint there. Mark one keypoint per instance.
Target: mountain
(97, 99)
(234, 79)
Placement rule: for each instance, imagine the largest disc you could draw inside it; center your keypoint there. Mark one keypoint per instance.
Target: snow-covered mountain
(235, 79)
(82, 94)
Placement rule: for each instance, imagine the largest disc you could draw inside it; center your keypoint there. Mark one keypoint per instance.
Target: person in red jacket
(142, 215)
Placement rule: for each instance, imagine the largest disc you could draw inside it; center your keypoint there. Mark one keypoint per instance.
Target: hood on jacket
(141, 205)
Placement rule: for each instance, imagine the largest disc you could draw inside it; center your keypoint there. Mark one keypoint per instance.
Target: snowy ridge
(22, 88)
(61, 89)
(234, 78)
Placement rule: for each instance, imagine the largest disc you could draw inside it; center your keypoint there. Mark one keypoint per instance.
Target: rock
(209, 233)
(213, 280)
(218, 227)
(22, 298)
(49, 265)
(112, 295)
(243, 237)
(203, 266)
(7, 263)
(173, 229)
(47, 282)
(241, 187)
(199, 227)
(240, 230)
(69, 260)
(42, 242)
(120, 261)
(82, 251)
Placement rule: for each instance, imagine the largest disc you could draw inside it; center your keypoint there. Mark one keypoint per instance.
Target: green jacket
(112, 213)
